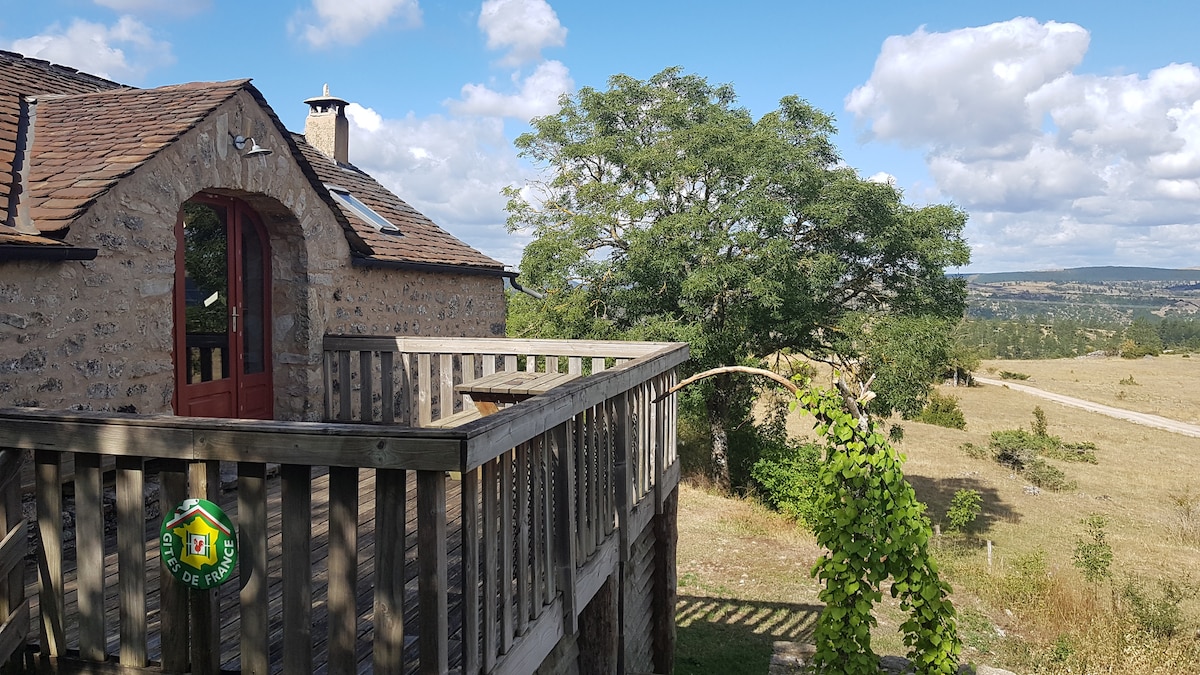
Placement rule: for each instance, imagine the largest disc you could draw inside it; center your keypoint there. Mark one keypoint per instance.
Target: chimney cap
(325, 100)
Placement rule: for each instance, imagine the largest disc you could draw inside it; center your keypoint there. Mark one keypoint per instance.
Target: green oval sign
(197, 544)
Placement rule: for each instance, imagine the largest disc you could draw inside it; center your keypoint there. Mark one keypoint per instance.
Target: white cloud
(123, 51)
(524, 27)
(348, 22)
(450, 169)
(537, 95)
(1055, 167)
(158, 6)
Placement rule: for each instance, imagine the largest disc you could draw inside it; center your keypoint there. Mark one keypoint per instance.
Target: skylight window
(349, 201)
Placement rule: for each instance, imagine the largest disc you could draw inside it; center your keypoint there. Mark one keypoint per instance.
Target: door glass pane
(206, 284)
(253, 303)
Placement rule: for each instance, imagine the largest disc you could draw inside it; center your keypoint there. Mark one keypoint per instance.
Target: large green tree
(667, 212)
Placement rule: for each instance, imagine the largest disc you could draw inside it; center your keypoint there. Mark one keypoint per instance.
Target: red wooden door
(222, 311)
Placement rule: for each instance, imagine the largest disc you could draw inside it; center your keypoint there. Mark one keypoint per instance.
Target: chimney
(327, 128)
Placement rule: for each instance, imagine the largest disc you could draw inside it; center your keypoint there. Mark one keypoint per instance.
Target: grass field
(1163, 385)
(744, 572)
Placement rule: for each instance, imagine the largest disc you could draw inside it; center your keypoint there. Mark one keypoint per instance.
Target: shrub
(1038, 426)
(1129, 382)
(964, 509)
(943, 411)
(1156, 613)
(1017, 448)
(1073, 452)
(1093, 555)
(976, 451)
(1187, 516)
(895, 433)
(1045, 475)
(1010, 375)
(788, 479)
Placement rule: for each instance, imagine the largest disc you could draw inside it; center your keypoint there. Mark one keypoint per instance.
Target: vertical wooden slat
(387, 387)
(595, 455)
(327, 377)
(173, 595)
(205, 482)
(445, 385)
(424, 384)
(535, 525)
(575, 365)
(621, 489)
(366, 379)
(491, 564)
(343, 568)
(467, 364)
(51, 599)
(489, 364)
(407, 411)
(345, 387)
(522, 514)
(546, 490)
(577, 443)
(506, 551)
(13, 602)
(390, 496)
(432, 583)
(89, 547)
(531, 364)
(597, 364)
(470, 557)
(296, 512)
(131, 560)
(252, 565)
(660, 441)
(510, 363)
(564, 512)
(551, 364)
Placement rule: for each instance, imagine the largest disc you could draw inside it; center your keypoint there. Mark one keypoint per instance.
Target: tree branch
(730, 369)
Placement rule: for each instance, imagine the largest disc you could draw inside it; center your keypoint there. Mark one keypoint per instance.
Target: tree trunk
(718, 419)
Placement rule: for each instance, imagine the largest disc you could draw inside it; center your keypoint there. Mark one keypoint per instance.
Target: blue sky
(1070, 131)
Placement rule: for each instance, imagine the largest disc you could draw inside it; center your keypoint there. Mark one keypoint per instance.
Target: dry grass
(735, 549)
(1163, 385)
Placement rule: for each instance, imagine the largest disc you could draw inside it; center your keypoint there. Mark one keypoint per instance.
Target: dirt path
(1119, 413)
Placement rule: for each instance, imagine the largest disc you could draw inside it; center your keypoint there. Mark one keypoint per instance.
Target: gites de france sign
(198, 545)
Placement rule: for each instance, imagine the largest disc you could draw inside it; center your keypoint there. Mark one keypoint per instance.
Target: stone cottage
(177, 249)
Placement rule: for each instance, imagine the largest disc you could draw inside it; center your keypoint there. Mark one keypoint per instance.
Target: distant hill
(1087, 275)
(1096, 295)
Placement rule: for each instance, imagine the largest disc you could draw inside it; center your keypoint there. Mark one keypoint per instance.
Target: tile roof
(420, 240)
(20, 76)
(90, 132)
(84, 143)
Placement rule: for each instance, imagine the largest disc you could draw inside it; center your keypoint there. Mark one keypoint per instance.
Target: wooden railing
(504, 560)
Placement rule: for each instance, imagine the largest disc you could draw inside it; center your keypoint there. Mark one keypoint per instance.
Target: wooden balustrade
(502, 561)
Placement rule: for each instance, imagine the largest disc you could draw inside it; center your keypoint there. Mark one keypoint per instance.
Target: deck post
(173, 596)
(205, 613)
(51, 598)
(666, 536)
(252, 564)
(432, 572)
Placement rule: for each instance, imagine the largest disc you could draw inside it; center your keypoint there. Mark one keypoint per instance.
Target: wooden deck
(357, 552)
(228, 597)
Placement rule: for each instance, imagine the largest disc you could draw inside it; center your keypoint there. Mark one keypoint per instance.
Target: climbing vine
(874, 529)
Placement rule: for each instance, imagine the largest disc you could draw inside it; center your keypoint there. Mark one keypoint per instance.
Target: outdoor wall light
(239, 142)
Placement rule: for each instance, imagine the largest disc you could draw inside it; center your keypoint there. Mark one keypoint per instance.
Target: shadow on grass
(728, 636)
(937, 493)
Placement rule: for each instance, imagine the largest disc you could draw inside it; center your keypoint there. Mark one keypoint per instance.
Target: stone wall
(98, 335)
